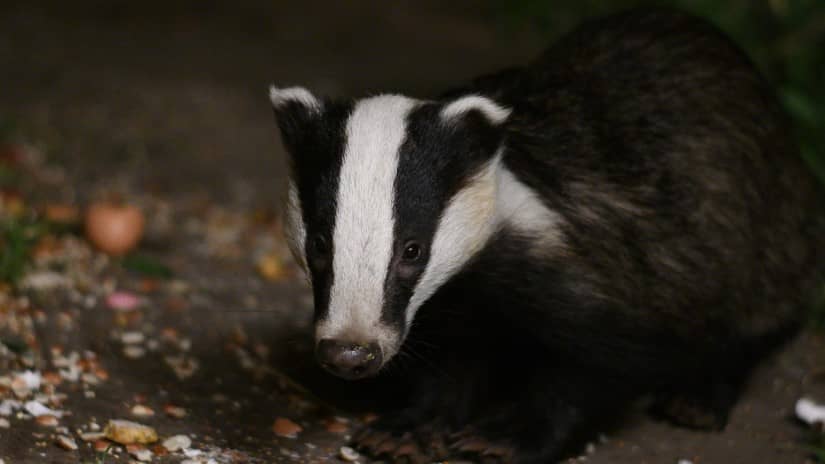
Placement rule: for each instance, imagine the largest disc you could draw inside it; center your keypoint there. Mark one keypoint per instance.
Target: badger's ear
(470, 105)
(296, 109)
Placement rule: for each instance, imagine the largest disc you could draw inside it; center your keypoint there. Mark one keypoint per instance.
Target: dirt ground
(168, 104)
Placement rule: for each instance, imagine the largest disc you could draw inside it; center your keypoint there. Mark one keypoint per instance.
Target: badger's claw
(418, 447)
(471, 446)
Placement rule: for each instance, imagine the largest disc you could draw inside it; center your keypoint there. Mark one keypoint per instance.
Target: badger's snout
(349, 360)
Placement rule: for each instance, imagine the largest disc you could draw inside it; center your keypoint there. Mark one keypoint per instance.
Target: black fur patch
(436, 160)
(315, 142)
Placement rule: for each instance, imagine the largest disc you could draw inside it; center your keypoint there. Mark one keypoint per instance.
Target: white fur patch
(294, 228)
(491, 110)
(364, 222)
(463, 230)
(519, 207)
(279, 97)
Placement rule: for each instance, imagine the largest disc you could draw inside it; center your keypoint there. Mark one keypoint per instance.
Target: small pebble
(4, 424)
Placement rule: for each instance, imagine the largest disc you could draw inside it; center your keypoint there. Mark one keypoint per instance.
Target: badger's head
(389, 197)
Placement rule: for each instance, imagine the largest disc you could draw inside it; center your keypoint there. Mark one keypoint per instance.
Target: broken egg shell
(114, 228)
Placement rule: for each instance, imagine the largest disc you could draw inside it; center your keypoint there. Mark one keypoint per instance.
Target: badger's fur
(626, 215)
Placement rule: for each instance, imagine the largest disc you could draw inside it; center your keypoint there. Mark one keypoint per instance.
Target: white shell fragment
(348, 454)
(178, 442)
(810, 412)
(37, 409)
(142, 454)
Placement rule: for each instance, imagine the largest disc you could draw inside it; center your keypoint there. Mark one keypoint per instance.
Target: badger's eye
(320, 245)
(412, 251)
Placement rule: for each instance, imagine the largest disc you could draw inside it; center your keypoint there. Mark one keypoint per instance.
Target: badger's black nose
(348, 360)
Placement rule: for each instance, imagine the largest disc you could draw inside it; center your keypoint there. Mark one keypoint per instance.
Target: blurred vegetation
(786, 38)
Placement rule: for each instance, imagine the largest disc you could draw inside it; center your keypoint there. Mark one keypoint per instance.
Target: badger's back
(684, 200)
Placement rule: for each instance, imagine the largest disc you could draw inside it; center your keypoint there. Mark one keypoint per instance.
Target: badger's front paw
(471, 445)
(386, 439)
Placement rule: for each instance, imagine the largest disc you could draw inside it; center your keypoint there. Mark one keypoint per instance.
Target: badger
(627, 216)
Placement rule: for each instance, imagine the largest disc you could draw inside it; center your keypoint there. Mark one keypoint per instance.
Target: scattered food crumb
(92, 436)
(66, 443)
(127, 432)
(140, 453)
(174, 411)
(133, 351)
(142, 411)
(47, 420)
(122, 301)
(102, 446)
(336, 425)
(284, 427)
(184, 367)
(271, 267)
(132, 338)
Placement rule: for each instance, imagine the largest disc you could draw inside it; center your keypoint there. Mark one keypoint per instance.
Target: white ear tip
(491, 110)
(282, 96)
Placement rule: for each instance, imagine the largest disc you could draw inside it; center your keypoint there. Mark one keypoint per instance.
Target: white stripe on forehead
(363, 234)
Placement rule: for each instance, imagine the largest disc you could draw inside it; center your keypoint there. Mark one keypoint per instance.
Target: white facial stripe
(491, 110)
(464, 228)
(294, 225)
(297, 94)
(364, 223)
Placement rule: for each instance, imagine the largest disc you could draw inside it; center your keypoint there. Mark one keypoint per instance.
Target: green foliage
(819, 453)
(146, 266)
(816, 445)
(17, 239)
(785, 37)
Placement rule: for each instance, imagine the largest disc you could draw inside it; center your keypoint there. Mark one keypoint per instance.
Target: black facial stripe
(317, 159)
(435, 161)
